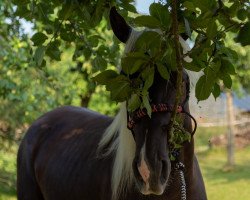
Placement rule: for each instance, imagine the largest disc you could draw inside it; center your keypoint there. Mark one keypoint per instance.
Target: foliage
(242, 67)
(206, 22)
(81, 28)
(179, 136)
(28, 90)
(76, 23)
(38, 90)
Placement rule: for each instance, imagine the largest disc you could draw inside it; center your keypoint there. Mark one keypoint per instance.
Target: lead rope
(179, 167)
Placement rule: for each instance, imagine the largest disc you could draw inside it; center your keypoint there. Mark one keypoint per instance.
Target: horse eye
(164, 128)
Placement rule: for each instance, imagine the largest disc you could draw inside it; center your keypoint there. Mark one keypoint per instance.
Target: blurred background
(26, 92)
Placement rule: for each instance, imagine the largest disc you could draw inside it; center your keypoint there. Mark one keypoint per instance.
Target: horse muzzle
(152, 179)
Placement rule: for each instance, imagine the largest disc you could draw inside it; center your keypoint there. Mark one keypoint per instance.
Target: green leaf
(67, 10)
(149, 79)
(21, 2)
(161, 13)
(149, 40)
(120, 88)
(105, 77)
(128, 6)
(203, 88)
(39, 54)
(99, 64)
(190, 6)
(211, 29)
(133, 62)
(232, 10)
(53, 51)
(227, 67)
(147, 21)
(87, 53)
(67, 35)
(192, 66)
(45, 9)
(230, 53)
(39, 38)
(216, 91)
(94, 40)
(137, 66)
(146, 104)
(134, 102)
(23, 12)
(204, 5)
(162, 69)
(215, 66)
(243, 36)
(227, 80)
(242, 14)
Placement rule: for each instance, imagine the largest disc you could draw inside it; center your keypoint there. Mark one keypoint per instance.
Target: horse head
(151, 164)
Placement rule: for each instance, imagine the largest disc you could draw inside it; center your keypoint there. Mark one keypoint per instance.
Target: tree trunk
(230, 126)
(85, 100)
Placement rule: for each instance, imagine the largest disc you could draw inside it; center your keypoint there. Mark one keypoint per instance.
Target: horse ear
(119, 26)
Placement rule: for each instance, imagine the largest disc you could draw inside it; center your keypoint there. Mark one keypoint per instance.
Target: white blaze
(143, 167)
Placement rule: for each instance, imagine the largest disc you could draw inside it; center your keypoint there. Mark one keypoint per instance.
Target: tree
(28, 90)
(83, 25)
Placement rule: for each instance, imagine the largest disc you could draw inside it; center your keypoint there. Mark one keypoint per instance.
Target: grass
(7, 175)
(223, 184)
(203, 136)
(220, 183)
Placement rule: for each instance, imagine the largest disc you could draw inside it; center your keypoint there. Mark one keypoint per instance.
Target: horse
(73, 153)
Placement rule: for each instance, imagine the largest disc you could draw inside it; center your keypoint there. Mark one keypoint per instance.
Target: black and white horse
(73, 153)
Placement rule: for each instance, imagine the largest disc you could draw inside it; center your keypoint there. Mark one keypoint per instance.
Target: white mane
(124, 145)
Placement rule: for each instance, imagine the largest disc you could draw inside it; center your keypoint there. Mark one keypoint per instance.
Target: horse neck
(187, 152)
(187, 155)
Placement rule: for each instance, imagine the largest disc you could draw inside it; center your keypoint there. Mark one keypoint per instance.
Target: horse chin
(149, 189)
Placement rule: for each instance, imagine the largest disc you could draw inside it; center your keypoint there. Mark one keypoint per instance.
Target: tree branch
(178, 63)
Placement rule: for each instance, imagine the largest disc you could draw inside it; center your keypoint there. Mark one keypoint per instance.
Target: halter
(131, 121)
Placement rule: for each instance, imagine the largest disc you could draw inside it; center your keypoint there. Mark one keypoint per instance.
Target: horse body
(58, 160)
(76, 154)
(58, 157)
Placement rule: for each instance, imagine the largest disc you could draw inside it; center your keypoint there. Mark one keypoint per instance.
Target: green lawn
(220, 184)
(223, 184)
(203, 136)
(7, 175)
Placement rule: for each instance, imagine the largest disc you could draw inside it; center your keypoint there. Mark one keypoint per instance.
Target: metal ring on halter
(195, 123)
